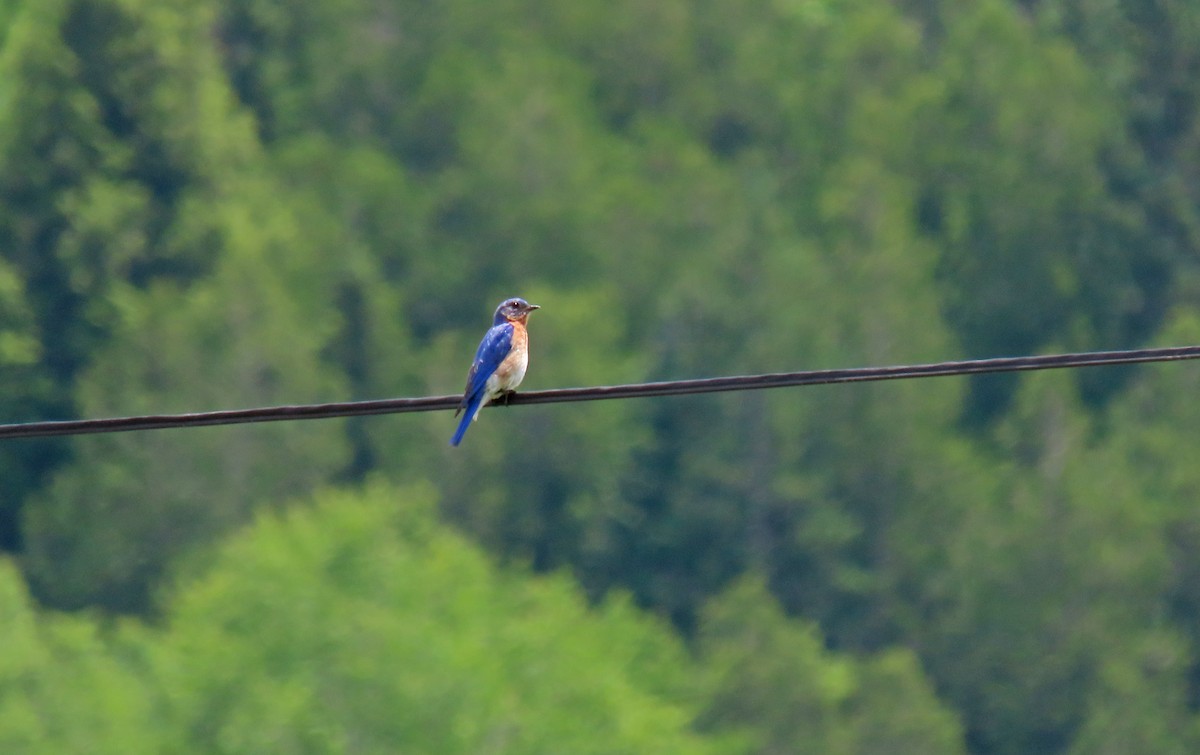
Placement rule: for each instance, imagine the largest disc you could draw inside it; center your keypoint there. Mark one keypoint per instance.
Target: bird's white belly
(508, 375)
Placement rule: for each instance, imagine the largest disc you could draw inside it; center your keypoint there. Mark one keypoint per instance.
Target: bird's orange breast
(511, 371)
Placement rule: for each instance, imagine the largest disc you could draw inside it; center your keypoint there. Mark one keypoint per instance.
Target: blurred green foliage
(231, 203)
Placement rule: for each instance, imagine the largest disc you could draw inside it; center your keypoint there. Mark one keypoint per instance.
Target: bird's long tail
(472, 410)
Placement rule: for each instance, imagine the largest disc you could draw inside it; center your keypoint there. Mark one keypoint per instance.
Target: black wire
(597, 393)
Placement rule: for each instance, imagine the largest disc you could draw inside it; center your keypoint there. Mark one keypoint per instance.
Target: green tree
(1145, 54)
(252, 334)
(110, 110)
(62, 689)
(1037, 246)
(1049, 609)
(772, 680)
(360, 622)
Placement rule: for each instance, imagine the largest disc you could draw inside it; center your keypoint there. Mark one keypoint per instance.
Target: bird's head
(514, 310)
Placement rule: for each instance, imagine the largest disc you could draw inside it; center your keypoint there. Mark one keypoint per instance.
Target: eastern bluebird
(499, 364)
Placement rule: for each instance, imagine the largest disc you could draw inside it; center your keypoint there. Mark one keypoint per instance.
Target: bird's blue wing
(492, 350)
(495, 345)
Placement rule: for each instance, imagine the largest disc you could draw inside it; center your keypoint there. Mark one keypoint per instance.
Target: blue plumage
(500, 362)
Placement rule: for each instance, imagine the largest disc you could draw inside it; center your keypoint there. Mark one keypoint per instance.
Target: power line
(597, 393)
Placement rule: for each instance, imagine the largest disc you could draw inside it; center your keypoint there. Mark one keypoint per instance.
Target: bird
(500, 362)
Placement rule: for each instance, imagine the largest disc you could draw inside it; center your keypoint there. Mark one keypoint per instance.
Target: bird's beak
(533, 307)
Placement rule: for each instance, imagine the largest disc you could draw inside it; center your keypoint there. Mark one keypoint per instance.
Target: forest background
(210, 204)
